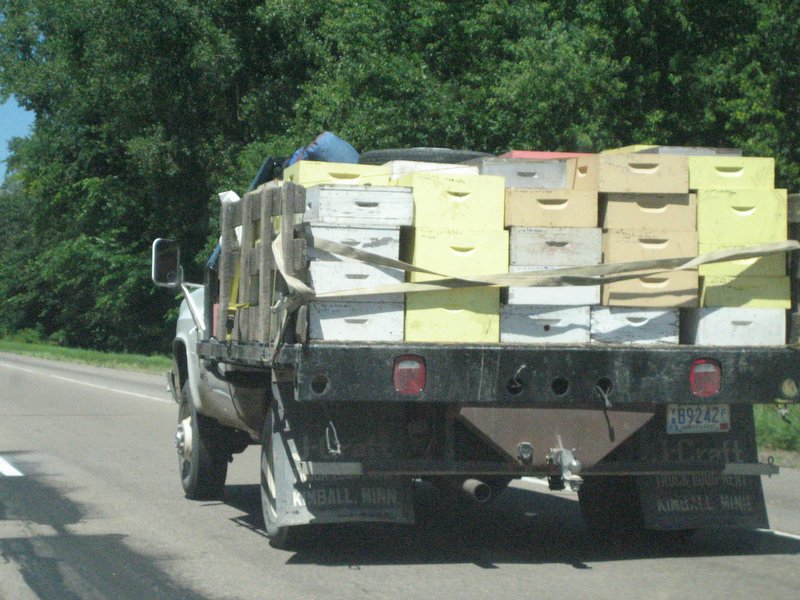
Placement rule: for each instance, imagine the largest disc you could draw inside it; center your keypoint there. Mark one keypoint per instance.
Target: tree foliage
(145, 109)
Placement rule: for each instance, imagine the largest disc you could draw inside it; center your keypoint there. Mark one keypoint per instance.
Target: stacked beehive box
(647, 213)
(551, 214)
(536, 211)
(743, 302)
(353, 205)
(309, 173)
(458, 231)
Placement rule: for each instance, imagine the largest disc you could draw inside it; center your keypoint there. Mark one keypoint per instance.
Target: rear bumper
(552, 376)
(527, 375)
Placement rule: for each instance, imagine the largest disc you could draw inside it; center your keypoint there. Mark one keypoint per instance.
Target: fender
(212, 389)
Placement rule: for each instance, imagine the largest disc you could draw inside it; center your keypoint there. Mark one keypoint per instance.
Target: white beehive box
(563, 295)
(359, 205)
(733, 326)
(383, 242)
(356, 321)
(623, 325)
(544, 324)
(334, 275)
(553, 246)
(524, 173)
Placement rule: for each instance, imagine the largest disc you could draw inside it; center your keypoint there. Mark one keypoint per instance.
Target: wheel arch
(186, 365)
(180, 361)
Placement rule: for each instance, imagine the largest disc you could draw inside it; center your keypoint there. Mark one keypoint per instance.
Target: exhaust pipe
(477, 490)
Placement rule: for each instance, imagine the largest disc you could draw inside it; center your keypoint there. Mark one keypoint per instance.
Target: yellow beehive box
(741, 216)
(643, 173)
(746, 292)
(527, 207)
(458, 253)
(311, 172)
(763, 266)
(469, 315)
(654, 212)
(657, 290)
(582, 173)
(465, 202)
(731, 172)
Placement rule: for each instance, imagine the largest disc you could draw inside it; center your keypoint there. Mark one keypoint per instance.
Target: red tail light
(705, 377)
(409, 374)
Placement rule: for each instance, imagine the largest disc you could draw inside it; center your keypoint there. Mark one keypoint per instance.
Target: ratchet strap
(576, 276)
(233, 305)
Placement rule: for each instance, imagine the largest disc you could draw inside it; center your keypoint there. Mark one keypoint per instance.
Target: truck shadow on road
(45, 553)
(520, 526)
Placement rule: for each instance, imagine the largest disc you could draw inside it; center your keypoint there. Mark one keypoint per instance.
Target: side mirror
(166, 268)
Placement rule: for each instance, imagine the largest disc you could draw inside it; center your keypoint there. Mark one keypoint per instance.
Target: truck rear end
(574, 337)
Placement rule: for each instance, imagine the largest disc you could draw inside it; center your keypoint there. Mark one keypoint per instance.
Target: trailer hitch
(569, 468)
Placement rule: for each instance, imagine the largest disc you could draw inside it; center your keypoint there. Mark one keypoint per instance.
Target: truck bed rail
(585, 376)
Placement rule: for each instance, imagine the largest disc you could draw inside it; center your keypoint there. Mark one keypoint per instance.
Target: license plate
(698, 418)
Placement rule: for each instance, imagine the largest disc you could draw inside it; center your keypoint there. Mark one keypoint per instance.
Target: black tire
(610, 506)
(279, 536)
(439, 155)
(203, 464)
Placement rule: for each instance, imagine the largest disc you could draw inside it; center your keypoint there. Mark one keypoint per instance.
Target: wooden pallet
(261, 214)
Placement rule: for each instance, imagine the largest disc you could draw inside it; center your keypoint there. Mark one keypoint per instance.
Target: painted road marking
(19, 529)
(7, 469)
(791, 536)
(86, 383)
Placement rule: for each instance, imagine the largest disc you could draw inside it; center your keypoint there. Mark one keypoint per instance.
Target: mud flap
(300, 500)
(694, 500)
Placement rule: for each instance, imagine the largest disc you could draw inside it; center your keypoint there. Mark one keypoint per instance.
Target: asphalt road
(91, 508)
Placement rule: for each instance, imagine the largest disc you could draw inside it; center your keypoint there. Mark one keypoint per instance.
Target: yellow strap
(233, 305)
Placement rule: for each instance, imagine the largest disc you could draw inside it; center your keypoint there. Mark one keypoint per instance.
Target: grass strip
(776, 431)
(115, 360)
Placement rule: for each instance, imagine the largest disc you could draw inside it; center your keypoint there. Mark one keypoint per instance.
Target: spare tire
(438, 155)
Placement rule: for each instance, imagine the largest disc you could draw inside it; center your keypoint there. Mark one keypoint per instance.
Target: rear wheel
(202, 453)
(611, 509)
(610, 505)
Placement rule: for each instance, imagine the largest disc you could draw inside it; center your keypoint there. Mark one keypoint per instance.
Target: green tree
(132, 101)
(144, 110)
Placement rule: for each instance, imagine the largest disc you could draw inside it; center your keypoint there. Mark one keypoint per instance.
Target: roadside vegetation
(778, 431)
(145, 110)
(29, 344)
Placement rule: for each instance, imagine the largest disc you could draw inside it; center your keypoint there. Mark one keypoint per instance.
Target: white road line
(7, 469)
(86, 383)
(791, 536)
(16, 529)
(8, 366)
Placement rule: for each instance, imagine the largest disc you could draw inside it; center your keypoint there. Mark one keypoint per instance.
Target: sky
(14, 122)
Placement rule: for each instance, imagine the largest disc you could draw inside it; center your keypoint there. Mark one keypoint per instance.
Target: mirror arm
(197, 315)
